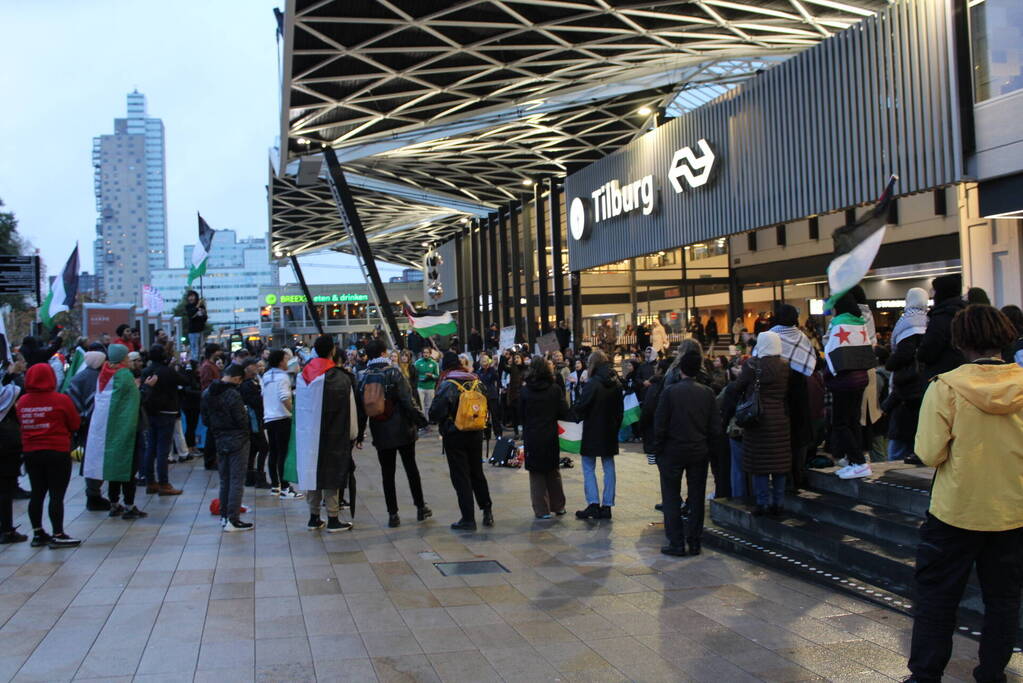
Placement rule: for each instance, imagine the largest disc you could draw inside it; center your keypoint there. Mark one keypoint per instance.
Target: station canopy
(441, 111)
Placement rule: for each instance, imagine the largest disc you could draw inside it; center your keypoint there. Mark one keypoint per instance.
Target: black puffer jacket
(647, 411)
(223, 412)
(935, 350)
(401, 428)
(163, 397)
(687, 424)
(542, 404)
(767, 447)
(600, 409)
(908, 387)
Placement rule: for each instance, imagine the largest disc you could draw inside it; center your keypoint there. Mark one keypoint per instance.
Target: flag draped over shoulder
(856, 246)
(110, 448)
(63, 291)
(570, 436)
(848, 345)
(201, 251)
(76, 364)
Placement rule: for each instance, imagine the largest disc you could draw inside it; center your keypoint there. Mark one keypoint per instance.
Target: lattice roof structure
(445, 109)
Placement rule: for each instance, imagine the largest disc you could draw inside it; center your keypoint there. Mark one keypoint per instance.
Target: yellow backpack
(471, 415)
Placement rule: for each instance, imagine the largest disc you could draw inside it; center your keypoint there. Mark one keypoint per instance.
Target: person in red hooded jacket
(47, 421)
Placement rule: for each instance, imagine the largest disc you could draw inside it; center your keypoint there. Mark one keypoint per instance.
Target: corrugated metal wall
(817, 133)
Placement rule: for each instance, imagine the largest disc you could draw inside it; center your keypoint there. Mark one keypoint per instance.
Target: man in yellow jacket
(971, 431)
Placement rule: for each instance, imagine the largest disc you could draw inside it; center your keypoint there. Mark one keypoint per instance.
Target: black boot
(694, 547)
(422, 512)
(488, 517)
(394, 520)
(97, 504)
(674, 550)
(464, 525)
(605, 512)
(592, 511)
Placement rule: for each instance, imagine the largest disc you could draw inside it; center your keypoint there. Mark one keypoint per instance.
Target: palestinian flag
(318, 458)
(570, 436)
(632, 410)
(63, 291)
(848, 345)
(856, 246)
(111, 445)
(429, 324)
(201, 251)
(77, 363)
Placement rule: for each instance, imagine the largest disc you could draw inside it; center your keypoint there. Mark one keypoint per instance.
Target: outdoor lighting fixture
(644, 111)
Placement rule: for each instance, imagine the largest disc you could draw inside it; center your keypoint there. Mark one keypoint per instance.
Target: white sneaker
(231, 525)
(291, 493)
(855, 471)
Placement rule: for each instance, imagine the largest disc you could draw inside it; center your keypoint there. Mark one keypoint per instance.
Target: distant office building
(88, 284)
(131, 199)
(236, 269)
(408, 275)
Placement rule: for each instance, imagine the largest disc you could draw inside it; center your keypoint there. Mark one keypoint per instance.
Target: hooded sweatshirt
(47, 418)
(971, 430)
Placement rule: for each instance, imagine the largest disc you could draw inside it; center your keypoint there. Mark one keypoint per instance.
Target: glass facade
(996, 33)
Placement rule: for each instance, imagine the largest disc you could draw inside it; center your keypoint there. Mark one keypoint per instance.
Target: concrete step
(874, 522)
(890, 487)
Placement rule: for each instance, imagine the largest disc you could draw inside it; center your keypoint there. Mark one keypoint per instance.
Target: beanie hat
(947, 287)
(117, 353)
(94, 359)
(768, 344)
(450, 361)
(916, 297)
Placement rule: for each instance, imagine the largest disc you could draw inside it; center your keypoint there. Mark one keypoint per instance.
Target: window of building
(815, 228)
(996, 36)
(751, 241)
(780, 234)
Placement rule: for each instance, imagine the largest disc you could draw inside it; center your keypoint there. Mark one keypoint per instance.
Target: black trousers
(258, 451)
(7, 486)
(191, 422)
(845, 426)
(944, 559)
(116, 489)
(388, 465)
(279, 433)
(49, 473)
(209, 451)
(464, 451)
(671, 498)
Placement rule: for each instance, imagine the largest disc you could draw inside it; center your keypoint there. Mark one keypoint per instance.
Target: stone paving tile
(170, 598)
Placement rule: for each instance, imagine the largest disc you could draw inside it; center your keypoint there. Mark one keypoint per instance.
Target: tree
(12, 243)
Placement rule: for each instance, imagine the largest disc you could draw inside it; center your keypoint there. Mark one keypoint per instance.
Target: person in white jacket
(659, 337)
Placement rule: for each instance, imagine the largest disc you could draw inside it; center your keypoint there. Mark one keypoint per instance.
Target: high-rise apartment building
(131, 199)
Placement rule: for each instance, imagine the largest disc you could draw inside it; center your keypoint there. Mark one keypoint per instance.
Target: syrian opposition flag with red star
(848, 345)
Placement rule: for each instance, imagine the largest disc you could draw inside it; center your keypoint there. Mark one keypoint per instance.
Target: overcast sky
(208, 69)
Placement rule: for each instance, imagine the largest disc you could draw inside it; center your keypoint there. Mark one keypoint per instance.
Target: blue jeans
(194, 341)
(737, 475)
(898, 450)
(161, 430)
(590, 480)
(769, 492)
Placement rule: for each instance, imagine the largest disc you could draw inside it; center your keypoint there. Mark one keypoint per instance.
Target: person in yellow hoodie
(971, 432)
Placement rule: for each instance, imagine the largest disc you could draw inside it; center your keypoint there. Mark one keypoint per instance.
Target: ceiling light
(303, 141)
(464, 220)
(527, 181)
(644, 111)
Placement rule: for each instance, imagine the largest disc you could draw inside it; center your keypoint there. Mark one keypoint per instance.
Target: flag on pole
(856, 246)
(201, 251)
(63, 291)
(570, 436)
(429, 324)
(631, 409)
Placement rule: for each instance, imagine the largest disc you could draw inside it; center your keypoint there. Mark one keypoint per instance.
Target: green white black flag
(201, 251)
(62, 292)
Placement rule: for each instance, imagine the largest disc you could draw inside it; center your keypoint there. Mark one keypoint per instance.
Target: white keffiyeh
(796, 349)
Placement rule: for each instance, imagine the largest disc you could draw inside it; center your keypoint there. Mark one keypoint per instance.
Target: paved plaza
(172, 598)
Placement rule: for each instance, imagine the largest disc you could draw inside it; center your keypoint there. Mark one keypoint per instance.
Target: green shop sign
(345, 297)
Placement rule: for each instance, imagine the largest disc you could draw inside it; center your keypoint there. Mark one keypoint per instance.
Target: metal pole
(460, 281)
(541, 258)
(516, 270)
(308, 296)
(506, 269)
(495, 288)
(575, 279)
(556, 260)
(360, 245)
(530, 275)
(484, 257)
(474, 263)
